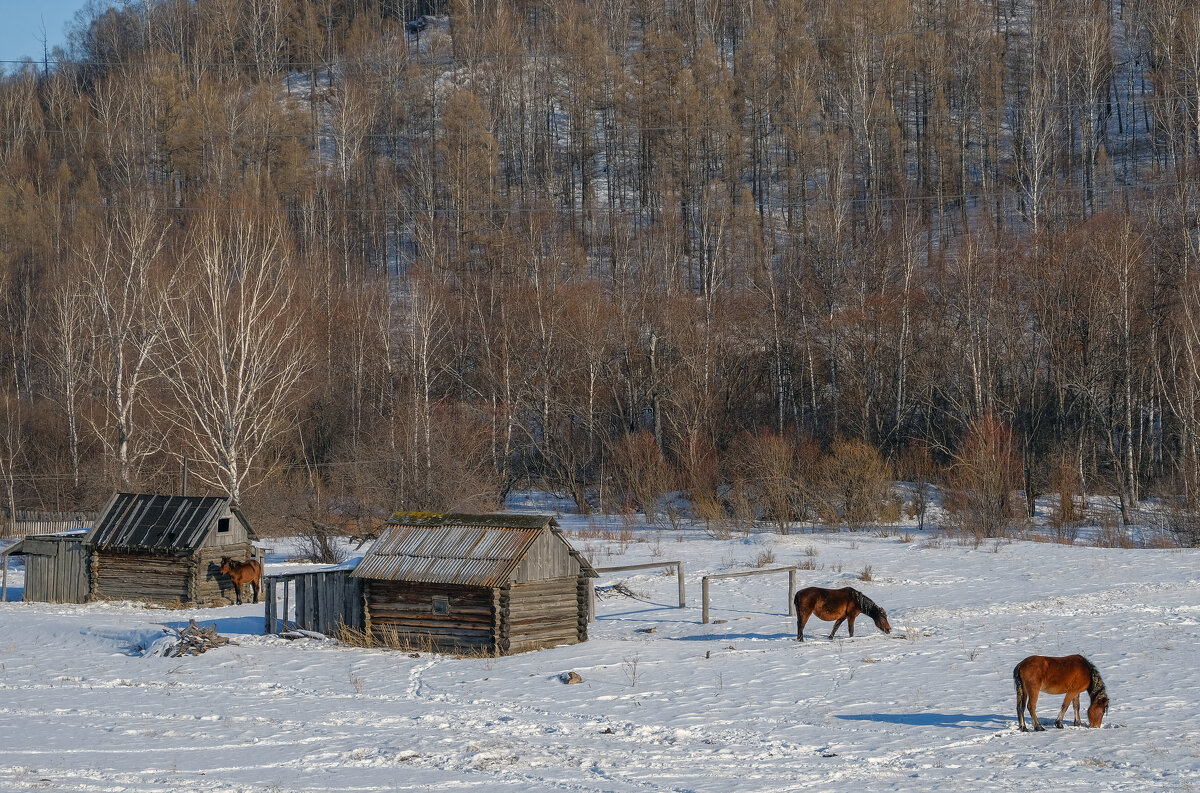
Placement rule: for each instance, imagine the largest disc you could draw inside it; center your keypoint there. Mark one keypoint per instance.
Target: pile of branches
(619, 589)
(193, 640)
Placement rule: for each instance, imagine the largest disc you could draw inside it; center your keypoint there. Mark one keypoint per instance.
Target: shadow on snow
(960, 720)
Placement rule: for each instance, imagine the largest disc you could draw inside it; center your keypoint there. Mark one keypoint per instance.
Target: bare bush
(983, 476)
(765, 466)
(855, 482)
(640, 472)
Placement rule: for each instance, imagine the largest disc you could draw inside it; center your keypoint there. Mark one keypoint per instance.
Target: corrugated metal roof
(141, 521)
(468, 550)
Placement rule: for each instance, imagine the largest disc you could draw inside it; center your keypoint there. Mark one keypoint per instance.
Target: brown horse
(836, 604)
(1070, 675)
(242, 572)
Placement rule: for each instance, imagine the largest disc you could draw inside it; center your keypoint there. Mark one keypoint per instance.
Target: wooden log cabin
(496, 584)
(166, 549)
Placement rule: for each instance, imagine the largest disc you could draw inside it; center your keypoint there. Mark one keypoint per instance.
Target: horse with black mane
(249, 571)
(1070, 675)
(842, 605)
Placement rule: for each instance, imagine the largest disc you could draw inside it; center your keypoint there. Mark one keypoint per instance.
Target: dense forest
(348, 256)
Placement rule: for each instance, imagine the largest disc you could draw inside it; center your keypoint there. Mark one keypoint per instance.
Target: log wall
(403, 611)
(215, 589)
(158, 578)
(543, 614)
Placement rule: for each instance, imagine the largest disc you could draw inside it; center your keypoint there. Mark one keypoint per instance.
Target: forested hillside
(375, 254)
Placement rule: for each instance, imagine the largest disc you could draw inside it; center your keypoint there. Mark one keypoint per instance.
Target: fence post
(269, 606)
(682, 593)
(704, 590)
(792, 592)
(286, 590)
(591, 605)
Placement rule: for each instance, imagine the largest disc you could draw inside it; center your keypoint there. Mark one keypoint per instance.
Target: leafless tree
(236, 362)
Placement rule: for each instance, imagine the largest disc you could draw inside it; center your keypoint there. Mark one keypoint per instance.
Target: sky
(24, 20)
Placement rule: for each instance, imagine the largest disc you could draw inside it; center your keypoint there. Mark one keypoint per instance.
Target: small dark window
(441, 605)
(222, 525)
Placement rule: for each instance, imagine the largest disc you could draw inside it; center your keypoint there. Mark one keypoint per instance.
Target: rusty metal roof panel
(467, 550)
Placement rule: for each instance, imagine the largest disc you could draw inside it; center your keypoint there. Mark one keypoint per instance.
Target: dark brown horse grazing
(1070, 675)
(242, 572)
(836, 604)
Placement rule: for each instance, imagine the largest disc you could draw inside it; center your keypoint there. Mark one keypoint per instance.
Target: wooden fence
(791, 571)
(27, 522)
(652, 566)
(325, 600)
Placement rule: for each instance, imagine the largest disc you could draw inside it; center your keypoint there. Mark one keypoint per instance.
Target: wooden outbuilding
(55, 568)
(166, 549)
(489, 583)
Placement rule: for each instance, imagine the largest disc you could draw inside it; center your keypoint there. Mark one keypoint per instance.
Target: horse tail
(1019, 683)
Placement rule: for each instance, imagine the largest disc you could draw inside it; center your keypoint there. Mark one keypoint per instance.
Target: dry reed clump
(764, 558)
(866, 574)
(387, 639)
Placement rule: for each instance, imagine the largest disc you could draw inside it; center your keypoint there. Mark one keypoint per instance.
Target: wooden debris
(620, 588)
(570, 678)
(194, 640)
(297, 633)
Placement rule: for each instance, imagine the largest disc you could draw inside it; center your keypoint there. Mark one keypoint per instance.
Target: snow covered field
(732, 706)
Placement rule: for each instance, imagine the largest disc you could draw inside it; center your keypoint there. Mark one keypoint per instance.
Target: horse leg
(1076, 701)
(254, 585)
(1033, 698)
(836, 625)
(850, 624)
(1022, 702)
(237, 590)
(801, 618)
(1063, 710)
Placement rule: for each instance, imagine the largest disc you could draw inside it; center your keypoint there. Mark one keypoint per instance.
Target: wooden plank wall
(543, 614)
(57, 576)
(548, 557)
(327, 600)
(403, 611)
(153, 577)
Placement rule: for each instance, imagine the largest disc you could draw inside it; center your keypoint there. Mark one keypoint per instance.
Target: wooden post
(682, 591)
(792, 592)
(286, 589)
(704, 595)
(269, 605)
(591, 597)
(4, 583)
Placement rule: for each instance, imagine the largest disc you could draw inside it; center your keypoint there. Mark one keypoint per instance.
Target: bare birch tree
(237, 361)
(127, 287)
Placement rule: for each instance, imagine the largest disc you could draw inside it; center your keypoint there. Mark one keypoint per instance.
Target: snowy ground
(737, 705)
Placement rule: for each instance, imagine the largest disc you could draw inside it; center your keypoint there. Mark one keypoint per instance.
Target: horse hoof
(1058, 724)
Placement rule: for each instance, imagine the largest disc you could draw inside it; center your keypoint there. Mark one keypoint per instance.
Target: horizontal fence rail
(791, 571)
(625, 567)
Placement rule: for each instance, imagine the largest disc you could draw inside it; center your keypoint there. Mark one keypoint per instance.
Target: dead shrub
(855, 482)
(764, 558)
(1066, 483)
(982, 479)
(915, 465)
(763, 467)
(641, 474)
